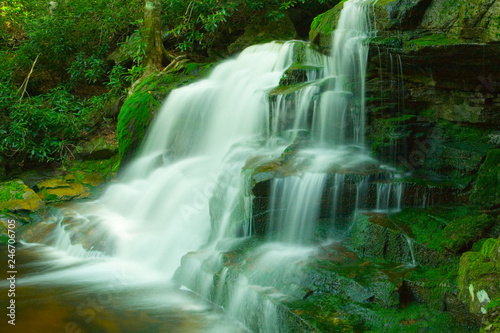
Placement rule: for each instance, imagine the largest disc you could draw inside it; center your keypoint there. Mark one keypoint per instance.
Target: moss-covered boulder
(263, 30)
(462, 232)
(139, 108)
(492, 318)
(133, 121)
(479, 276)
(91, 172)
(97, 149)
(323, 25)
(61, 189)
(486, 191)
(15, 196)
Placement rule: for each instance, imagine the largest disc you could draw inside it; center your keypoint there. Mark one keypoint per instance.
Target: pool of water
(56, 293)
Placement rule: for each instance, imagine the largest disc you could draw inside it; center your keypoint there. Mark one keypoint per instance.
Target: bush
(43, 128)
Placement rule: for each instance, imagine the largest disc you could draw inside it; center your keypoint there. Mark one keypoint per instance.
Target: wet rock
(437, 287)
(428, 236)
(42, 232)
(97, 149)
(462, 232)
(112, 107)
(60, 189)
(263, 30)
(486, 191)
(15, 196)
(375, 236)
(139, 108)
(388, 14)
(478, 277)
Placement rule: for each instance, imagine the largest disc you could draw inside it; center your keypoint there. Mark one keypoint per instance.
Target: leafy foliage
(43, 127)
(203, 23)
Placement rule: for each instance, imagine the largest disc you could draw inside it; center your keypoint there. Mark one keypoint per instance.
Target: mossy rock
(464, 231)
(91, 172)
(386, 15)
(478, 280)
(263, 30)
(97, 149)
(60, 189)
(323, 25)
(469, 19)
(492, 318)
(15, 195)
(486, 191)
(139, 108)
(133, 121)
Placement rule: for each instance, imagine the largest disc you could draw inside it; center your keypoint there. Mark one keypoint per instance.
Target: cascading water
(186, 190)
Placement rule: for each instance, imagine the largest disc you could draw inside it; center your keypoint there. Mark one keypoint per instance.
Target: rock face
(478, 281)
(15, 196)
(97, 149)
(472, 20)
(486, 191)
(139, 108)
(60, 189)
(263, 30)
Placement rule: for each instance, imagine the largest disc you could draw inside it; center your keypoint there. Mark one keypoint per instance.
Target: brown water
(58, 294)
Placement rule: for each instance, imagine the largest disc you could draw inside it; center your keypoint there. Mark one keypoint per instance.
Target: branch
(25, 82)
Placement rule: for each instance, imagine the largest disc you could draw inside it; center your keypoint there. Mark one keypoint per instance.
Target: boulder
(60, 189)
(462, 232)
(15, 196)
(139, 108)
(478, 277)
(97, 149)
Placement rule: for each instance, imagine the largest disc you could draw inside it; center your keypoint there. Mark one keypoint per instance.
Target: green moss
(477, 246)
(486, 191)
(4, 239)
(15, 196)
(286, 90)
(488, 246)
(426, 226)
(390, 42)
(139, 108)
(464, 231)
(323, 25)
(477, 272)
(105, 168)
(430, 179)
(465, 134)
(444, 276)
(317, 20)
(386, 132)
(11, 190)
(433, 40)
(133, 121)
(329, 313)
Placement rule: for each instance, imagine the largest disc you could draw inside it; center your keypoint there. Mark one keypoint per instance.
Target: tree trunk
(155, 50)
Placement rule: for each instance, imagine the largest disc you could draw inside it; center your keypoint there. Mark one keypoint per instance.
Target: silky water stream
(189, 195)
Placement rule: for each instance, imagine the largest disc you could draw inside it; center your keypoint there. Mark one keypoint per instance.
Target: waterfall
(185, 196)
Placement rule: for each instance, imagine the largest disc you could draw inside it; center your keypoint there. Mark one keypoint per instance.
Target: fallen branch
(25, 82)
